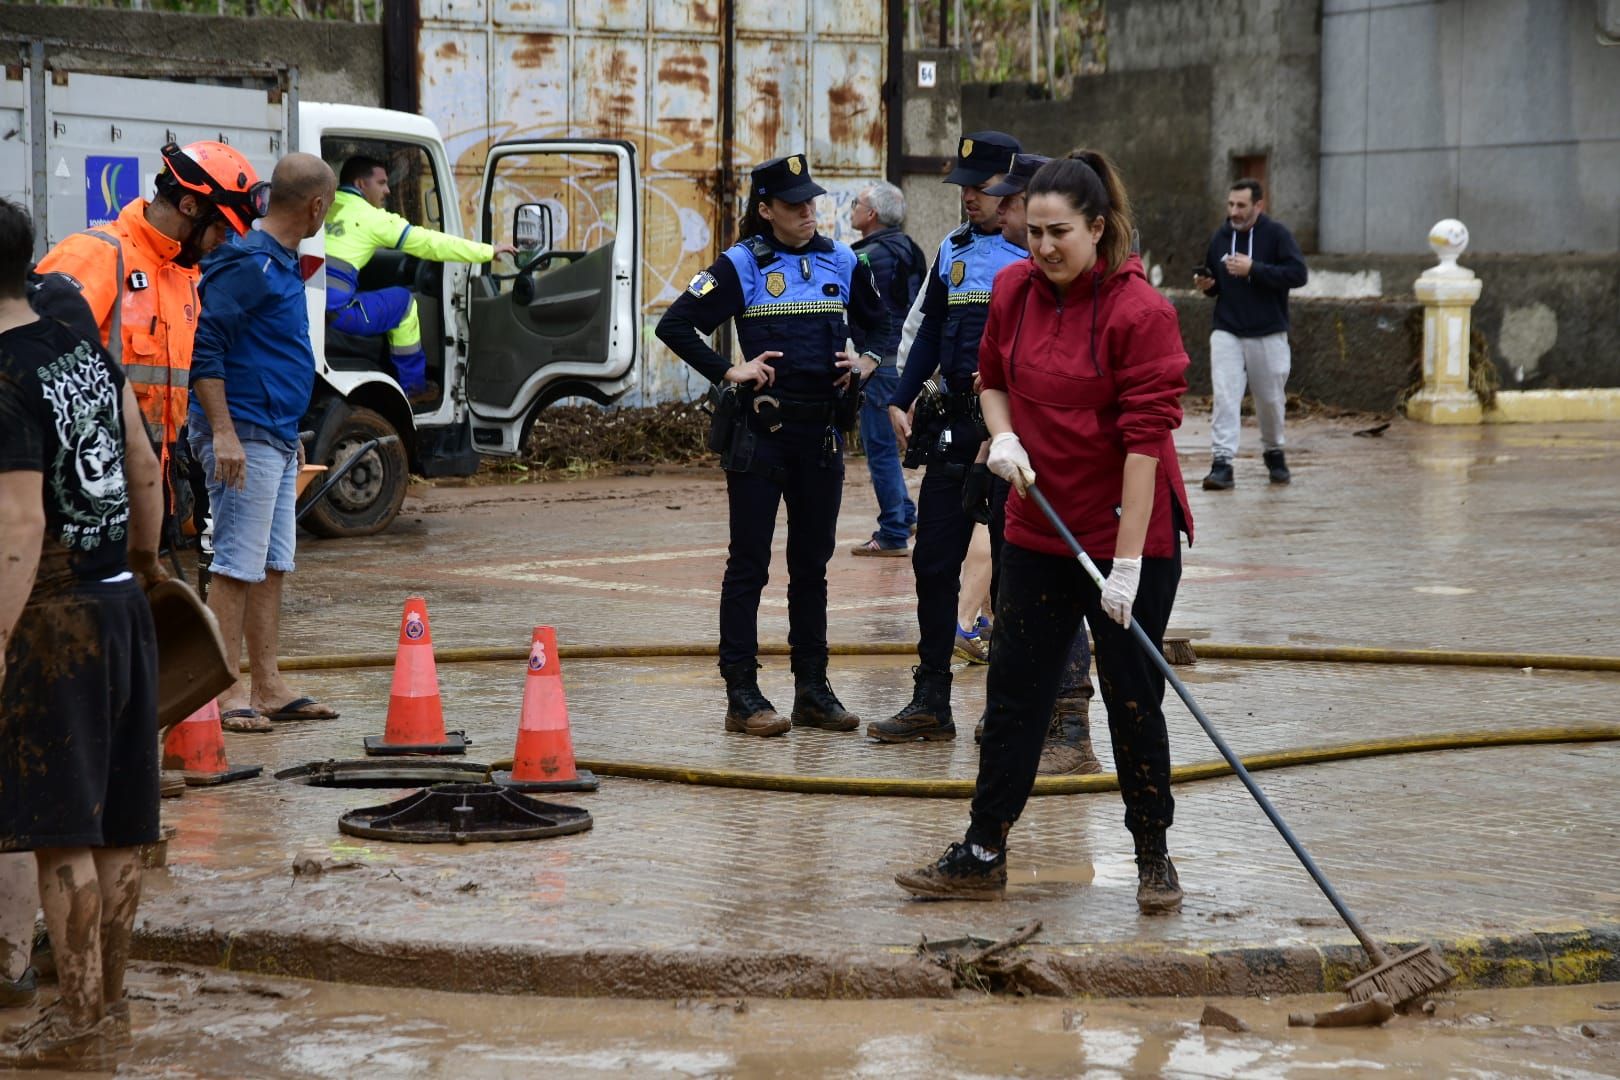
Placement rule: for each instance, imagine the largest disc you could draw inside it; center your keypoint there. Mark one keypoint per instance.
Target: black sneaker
(1158, 889)
(1277, 465)
(1220, 476)
(958, 875)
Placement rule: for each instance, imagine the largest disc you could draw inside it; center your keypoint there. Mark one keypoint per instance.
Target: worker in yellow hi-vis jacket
(356, 227)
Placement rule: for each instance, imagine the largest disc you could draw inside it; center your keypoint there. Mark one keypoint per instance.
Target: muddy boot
(1158, 889)
(958, 875)
(54, 1044)
(1277, 465)
(927, 717)
(814, 703)
(747, 710)
(1068, 751)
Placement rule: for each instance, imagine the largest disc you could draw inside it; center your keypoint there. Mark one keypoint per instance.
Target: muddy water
(197, 1023)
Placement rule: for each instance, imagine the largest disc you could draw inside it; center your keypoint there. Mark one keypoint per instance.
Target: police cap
(785, 178)
(1024, 166)
(981, 155)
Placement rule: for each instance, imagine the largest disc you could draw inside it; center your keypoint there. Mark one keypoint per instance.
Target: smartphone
(1203, 271)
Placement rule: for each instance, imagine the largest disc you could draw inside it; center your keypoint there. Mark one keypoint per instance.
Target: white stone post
(1448, 292)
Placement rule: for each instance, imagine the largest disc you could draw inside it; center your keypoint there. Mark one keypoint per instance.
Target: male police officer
(356, 227)
(954, 307)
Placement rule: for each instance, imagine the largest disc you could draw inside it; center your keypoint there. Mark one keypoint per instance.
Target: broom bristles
(1406, 978)
(1179, 651)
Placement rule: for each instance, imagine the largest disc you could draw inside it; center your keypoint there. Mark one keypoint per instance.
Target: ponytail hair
(751, 224)
(1091, 183)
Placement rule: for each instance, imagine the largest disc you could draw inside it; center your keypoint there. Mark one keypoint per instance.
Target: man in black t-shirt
(80, 510)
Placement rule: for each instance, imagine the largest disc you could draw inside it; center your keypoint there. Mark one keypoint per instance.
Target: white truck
(503, 340)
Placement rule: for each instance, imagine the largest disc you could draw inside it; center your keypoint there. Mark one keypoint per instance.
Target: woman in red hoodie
(1083, 371)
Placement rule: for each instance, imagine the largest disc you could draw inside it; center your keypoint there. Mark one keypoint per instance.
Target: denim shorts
(254, 528)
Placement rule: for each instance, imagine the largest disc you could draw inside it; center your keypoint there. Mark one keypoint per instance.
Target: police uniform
(804, 303)
(955, 307)
(355, 231)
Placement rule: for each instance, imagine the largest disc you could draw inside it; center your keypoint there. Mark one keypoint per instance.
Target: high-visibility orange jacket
(145, 305)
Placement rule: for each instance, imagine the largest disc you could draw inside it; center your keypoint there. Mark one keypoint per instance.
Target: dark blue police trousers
(812, 485)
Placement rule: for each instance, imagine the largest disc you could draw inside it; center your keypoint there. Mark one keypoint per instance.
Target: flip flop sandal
(294, 710)
(244, 720)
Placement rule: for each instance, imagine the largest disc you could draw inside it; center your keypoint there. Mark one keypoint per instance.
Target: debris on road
(1218, 1017)
(1369, 1013)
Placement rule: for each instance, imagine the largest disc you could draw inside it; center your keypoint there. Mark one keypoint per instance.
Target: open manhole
(384, 772)
(464, 813)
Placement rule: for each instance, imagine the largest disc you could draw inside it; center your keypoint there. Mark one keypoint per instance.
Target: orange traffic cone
(544, 758)
(415, 716)
(196, 748)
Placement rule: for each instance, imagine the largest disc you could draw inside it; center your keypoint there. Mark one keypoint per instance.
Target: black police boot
(1278, 466)
(1158, 889)
(747, 710)
(958, 875)
(927, 717)
(1220, 476)
(814, 703)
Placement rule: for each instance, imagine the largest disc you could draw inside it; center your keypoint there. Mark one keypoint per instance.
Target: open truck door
(562, 317)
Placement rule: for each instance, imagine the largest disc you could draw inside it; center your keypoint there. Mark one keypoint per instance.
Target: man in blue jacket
(898, 266)
(1251, 263)
(252, 373)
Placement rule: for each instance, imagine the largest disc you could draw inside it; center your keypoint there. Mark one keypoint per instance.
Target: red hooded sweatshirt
(1079, 412)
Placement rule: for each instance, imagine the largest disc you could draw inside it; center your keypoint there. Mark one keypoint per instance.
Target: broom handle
(1372, 947)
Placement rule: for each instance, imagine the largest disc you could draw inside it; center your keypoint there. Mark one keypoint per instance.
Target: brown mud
(196, 1022)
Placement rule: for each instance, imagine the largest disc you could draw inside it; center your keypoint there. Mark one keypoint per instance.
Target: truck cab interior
(415, 194)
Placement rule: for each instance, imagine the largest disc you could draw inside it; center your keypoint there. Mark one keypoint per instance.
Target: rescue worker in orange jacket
(139, 272)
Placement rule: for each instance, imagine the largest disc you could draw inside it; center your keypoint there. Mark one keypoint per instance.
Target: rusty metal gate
(703, 88)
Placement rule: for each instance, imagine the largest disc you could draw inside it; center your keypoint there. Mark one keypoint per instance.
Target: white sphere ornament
(1448, 238)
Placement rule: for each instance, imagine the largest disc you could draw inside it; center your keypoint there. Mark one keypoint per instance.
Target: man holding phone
(1251, 263)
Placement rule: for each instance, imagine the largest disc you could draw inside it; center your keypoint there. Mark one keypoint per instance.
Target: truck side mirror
(531, 229)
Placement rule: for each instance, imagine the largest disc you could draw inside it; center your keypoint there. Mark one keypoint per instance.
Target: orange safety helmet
(220, 174)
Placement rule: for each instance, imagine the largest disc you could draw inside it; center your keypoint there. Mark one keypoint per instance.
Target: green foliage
(310, 10)
(995, 37)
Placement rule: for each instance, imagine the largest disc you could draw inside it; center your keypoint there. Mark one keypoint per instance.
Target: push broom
(1405, 978)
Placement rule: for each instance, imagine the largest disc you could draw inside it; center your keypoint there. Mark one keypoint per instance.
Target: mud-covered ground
(192, 1022)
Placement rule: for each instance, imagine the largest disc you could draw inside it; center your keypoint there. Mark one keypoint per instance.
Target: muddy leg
(72, 900)
(19, 899)
(118, 871)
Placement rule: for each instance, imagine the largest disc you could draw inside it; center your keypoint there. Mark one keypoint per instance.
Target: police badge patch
(958, 272)
(701, 284)
(776, 283)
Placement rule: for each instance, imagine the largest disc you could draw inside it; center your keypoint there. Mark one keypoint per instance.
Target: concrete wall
(933, 120)
(1352, 354)
(1154, 124)
(337, 62)
(1264, 69)
(1552, 323)
(1503, 113)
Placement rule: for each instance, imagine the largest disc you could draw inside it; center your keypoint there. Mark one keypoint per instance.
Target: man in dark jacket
(898, 266)
(252, 373)
(1251, 264)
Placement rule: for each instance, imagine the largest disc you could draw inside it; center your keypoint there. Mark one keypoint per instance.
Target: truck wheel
(368, 498)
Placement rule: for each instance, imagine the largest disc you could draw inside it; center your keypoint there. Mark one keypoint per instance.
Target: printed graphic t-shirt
(61, 415)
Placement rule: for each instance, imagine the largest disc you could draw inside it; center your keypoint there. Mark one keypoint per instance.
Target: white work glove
(1008, 461)
(1119, 591)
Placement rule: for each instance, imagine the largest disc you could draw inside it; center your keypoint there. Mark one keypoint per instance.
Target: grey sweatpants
(1262, 364)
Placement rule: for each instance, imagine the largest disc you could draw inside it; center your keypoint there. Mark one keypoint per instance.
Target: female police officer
(789, 291)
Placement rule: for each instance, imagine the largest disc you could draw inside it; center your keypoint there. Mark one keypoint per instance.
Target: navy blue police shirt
(955, 307)
(802, 302)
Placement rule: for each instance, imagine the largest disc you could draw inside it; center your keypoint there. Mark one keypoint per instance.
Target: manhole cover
(385, 773)
(464, 813)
